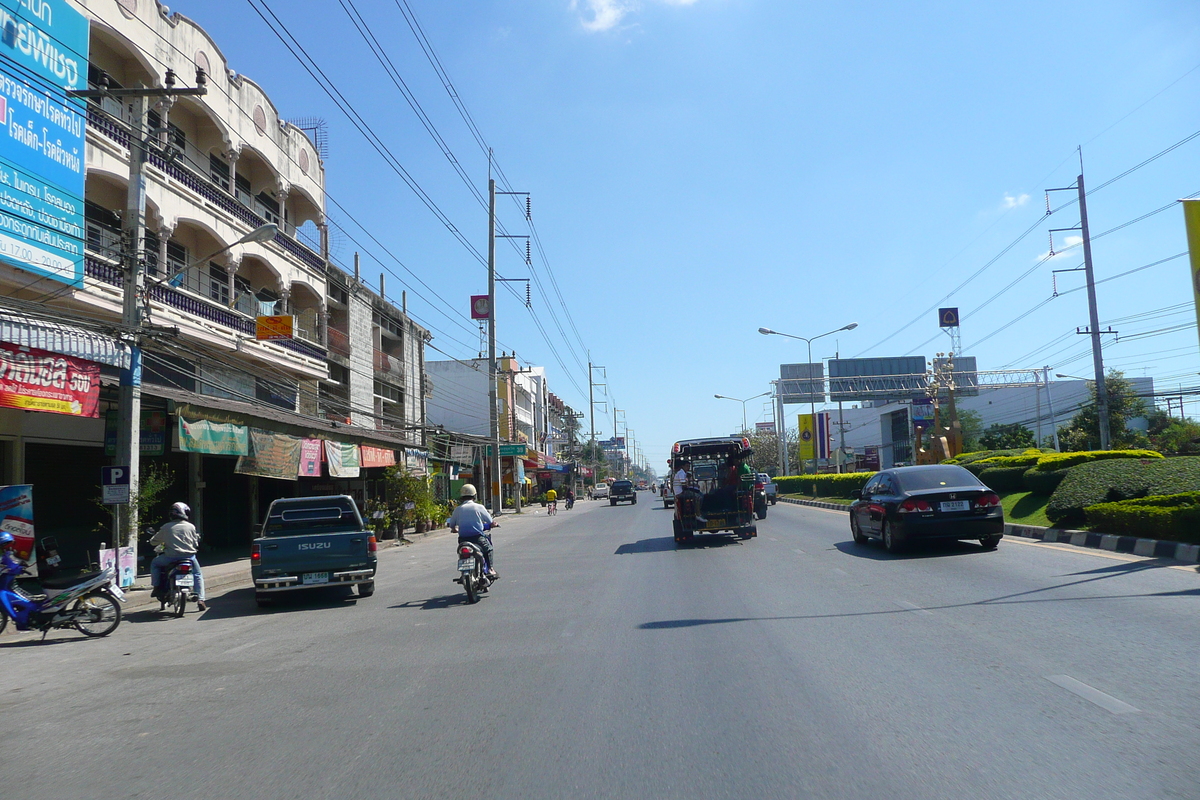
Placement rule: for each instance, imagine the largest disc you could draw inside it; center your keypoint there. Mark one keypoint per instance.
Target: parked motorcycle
(473, 569)
(89, 603)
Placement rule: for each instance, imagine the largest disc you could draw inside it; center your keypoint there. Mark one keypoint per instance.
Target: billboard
(45, 49)
(802, 383)
(857, 379)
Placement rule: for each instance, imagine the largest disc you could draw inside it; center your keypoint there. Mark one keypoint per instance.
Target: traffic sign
(114, 486)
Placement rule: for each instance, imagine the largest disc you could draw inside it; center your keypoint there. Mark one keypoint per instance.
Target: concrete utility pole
(493, 368)
(592, 412)
(780, 430)
(133, 233)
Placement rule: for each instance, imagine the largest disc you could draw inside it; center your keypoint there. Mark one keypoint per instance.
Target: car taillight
(758, 486)
(183, 566)
(372, 545)
(465, 552)
(988, 500)
(255, 553)
(910, 505)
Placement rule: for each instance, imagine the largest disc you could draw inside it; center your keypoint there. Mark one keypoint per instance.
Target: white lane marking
(772, 538)
(798, 550)
(1092, 694)
(1087, 551)
(907, 606)
(240, 647)
(841, 571)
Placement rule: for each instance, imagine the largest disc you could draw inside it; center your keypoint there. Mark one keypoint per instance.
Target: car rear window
(621, 486)
(320, 515)
(936, 478)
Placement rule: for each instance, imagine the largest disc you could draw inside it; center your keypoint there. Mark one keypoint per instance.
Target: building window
(218, 172)
(241, 190)
(218, 284)
(267, 207)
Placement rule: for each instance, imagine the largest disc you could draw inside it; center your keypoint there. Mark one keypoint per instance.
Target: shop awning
(69, 340)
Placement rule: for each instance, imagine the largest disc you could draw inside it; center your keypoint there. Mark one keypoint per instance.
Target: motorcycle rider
(471, 520)
(570, 498)
(179, 539)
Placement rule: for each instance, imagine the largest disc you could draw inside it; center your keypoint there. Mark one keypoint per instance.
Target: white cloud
(603, 15)
(1067, 247)
(1015, 202)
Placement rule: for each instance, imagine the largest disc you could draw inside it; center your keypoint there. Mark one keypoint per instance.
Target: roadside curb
(1150, 548)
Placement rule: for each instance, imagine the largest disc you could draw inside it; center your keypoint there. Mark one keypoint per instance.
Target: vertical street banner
(43, 53)
(814, 442)
(310, 458)
(16, 517)
(1191, 219)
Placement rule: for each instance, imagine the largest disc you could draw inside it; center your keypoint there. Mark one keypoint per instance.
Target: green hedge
(1003, 479)
(1175, 517)
(1043, 483)
(963, 459)
(1120, 479)
(1053, 461)
(828, 484)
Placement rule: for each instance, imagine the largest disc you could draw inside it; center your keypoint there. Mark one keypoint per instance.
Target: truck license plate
(310, 578)
(466, 565)
(956, 505)
(185, 580)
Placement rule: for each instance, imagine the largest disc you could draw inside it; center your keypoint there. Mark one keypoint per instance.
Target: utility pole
(493, 368)
(780, 429)
(1093, 329)
(592, 411)
(133, 228)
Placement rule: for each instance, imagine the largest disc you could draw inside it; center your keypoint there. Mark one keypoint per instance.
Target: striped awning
(69, 340)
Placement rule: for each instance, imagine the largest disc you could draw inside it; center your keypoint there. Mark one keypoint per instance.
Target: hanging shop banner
(271, 329)
(16, 517)
(462, 453)
(153, 432)
(310, 458)
(1191, 219)
(38, 380)
(42, 156)
(213, 438)
(342, 459)
(376, 456)
(416, 462)
(272, 455)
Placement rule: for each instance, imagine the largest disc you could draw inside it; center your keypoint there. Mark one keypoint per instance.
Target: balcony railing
(201, 308)
(205, 188)
(389, 365)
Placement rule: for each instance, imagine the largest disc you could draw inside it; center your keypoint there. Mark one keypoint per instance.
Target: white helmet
(468, 490)
(180, 511)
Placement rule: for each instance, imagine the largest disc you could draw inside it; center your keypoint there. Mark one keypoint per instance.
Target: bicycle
(552, 508)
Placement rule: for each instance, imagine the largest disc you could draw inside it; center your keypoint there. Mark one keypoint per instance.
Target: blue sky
(702, 168)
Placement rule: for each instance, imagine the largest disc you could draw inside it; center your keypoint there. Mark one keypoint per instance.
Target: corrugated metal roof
(69, 340)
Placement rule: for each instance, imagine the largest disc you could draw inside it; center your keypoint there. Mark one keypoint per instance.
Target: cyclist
(551, 501)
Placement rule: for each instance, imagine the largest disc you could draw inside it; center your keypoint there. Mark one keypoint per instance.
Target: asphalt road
(606, 663)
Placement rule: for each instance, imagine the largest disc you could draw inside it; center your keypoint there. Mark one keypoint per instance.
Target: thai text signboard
(45, 53)
(38, 380)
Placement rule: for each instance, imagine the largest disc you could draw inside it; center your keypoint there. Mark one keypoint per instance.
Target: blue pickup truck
(311, 542)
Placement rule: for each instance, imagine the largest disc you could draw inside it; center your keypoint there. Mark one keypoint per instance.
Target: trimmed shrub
(1043, 483)
(1003, 479)
(828, 484)
(1053, 461)
(1024, 460)
(1111, 480)
(1175, 517)
(963, 459)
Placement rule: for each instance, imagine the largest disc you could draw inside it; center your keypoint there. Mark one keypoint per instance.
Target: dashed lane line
(1092, 694)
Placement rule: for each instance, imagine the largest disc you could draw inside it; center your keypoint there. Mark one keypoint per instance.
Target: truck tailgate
(314, 552)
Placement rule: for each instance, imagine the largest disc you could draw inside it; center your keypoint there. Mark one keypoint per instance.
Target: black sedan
(937, 501)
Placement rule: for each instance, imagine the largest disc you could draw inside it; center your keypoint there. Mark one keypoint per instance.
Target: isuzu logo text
(315, 546)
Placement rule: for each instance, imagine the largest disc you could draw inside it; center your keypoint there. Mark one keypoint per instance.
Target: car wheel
(890, 540)
(990, 542)
(856, 532)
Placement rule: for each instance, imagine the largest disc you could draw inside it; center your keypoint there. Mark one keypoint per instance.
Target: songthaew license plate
(185, 580)
(955, 505)
(314, 577)
(466, 565)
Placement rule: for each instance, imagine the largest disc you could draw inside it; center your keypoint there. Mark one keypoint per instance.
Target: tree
(1083, 431)
(1174, 436)
(1007, 437)
(971, 424)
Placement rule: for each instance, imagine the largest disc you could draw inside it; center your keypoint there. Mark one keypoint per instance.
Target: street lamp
(1071, 377)
(263, 233)
(743, 402)
(812, 404)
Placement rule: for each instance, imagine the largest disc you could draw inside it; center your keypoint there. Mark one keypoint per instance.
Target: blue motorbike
(89, 603)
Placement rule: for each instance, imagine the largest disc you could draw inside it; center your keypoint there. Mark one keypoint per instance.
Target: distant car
(600, 490)
(936, 501)
(621, 491)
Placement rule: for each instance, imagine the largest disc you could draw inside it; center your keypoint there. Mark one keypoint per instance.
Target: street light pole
(743, 402)
(812, 397)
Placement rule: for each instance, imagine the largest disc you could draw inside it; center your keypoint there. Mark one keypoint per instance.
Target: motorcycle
(89, 603)
(473, 568)
(180, 588)
(570, 502)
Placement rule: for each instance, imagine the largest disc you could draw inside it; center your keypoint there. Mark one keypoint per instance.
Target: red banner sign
(38, 380)
(377, 456)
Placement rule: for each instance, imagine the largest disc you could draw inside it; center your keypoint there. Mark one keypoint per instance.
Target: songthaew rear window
(316, 515)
